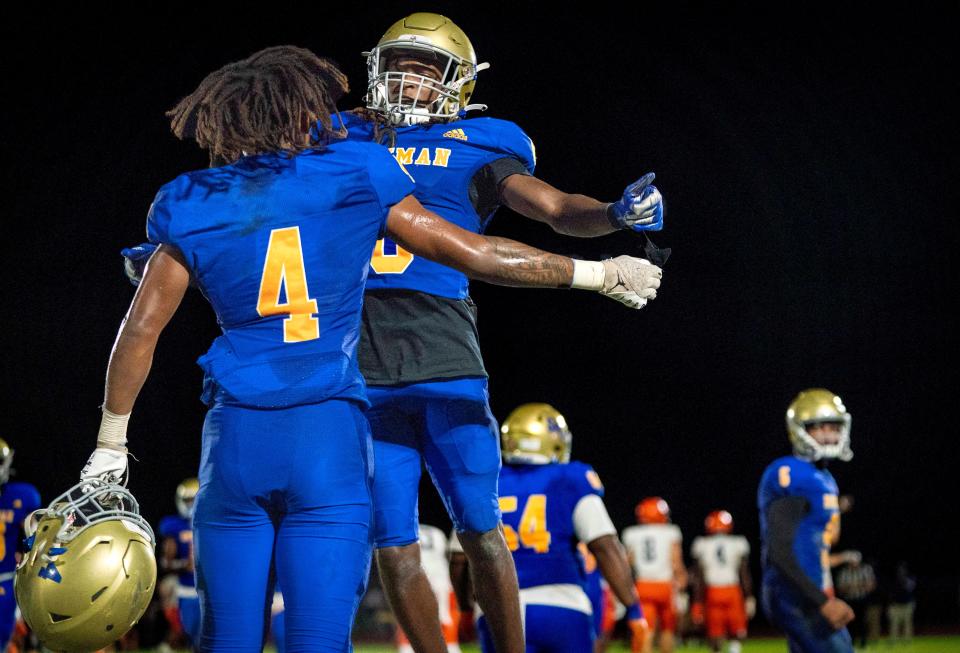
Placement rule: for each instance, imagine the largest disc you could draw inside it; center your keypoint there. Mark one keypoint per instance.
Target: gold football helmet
(89, 570)
(817, 406)
(535, 434)
(186, 494)
(6, 459)
(399, 94)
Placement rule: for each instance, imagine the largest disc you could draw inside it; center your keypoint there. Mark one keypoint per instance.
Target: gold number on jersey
(283, 268)
(533, 524)
(3, 540)
(383, 263)
(783, 474)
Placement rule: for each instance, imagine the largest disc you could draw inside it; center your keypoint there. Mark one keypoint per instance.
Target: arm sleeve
(484, 188)
(783, 517)
(591, 520)
(390, 180)
(158, 219)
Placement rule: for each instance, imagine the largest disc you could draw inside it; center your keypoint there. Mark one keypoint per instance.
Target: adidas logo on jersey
(459, 134)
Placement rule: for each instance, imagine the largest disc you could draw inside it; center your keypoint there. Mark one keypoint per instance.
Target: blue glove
(135, 261)
(640, 208)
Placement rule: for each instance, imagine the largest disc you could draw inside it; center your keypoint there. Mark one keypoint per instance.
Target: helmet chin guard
(409, 97)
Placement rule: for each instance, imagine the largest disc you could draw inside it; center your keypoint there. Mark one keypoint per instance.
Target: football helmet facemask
(6, 460)
(652, 510)
(818, 406)
(186, 494)
(535, 434)
(408, 97)
(718, 521)
(89, 570)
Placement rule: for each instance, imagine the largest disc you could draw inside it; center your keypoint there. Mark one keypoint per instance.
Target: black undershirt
(409, 336)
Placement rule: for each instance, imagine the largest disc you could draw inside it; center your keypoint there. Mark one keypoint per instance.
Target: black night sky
(805, 153)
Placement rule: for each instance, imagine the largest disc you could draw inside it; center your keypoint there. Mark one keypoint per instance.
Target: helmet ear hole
(97, 594)
(57, 618)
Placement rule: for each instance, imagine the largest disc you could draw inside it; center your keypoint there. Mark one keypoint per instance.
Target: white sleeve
(675, 533)
(453, 544)
(746, 547)
(590, 519)
(696, 548)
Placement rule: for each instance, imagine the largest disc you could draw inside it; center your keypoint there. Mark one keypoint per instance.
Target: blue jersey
(17, 500)
(443, 158)
(280, 246)
(179, 530)
(537, 502)
(790, 477)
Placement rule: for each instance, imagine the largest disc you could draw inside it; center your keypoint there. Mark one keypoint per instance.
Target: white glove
(631, 281)
(109, 465)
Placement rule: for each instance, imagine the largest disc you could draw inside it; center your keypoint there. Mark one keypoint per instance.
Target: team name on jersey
(7, 516)
(437, 156)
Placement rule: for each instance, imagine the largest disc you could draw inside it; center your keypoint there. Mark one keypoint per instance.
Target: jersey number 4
(283, 269)
(533, 533)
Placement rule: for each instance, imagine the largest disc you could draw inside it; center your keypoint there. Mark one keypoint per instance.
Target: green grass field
(919, 645)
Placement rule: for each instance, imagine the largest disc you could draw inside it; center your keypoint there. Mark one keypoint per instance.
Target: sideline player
(176, 557)
(800, 521)
(723, 587)
(278, 237)
(419, 349)
(17, 500)
(551, 504)
(654, 548)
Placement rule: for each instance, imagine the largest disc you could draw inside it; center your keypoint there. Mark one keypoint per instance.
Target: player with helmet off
(278, 233)
(654, 548)
(800, 521)
(550, 505)
(722, 583)
(419, 349)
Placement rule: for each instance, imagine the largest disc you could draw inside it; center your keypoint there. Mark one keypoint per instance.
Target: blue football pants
(290, 488)
(807, 631)
(448, 425)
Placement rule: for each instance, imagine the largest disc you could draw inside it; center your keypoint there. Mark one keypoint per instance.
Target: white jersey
(651, 550)
(433, 558)
(720, 557)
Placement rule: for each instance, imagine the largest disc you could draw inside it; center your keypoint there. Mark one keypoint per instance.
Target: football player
(278, 236)
(654, 548)
(550, 504)
(723, 585)
(800, 521)
(17, 500)
(419, 350)
(434, 556)
(176, 557)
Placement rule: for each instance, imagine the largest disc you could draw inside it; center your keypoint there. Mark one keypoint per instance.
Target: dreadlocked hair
(268, 102)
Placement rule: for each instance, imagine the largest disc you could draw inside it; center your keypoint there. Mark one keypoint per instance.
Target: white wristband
(587, 275)
(113, 431)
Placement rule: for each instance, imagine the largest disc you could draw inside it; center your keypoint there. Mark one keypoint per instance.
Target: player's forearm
(566, 213)
(507, 262)
(615, 568)
(129, 366)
